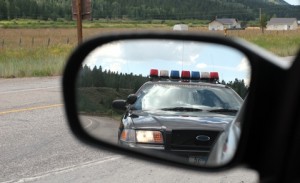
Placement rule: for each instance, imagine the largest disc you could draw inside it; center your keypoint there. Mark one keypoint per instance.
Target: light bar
(186, 76)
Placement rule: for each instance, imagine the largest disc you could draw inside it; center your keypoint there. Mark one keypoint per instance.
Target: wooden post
(48, 42)
(79, 22)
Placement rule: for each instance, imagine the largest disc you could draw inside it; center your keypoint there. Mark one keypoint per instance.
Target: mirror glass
(171, 98)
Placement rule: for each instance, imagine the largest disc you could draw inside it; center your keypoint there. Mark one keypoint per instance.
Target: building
(224, 23)
(282, 24)
(180, 27)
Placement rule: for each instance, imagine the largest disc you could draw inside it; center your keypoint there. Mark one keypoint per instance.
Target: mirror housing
(259, 95)
(131, 99)
(119, 104)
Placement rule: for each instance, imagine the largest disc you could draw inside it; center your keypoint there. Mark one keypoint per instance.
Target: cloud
(100, 54)
(139, 56)
(243, 65)
(201, 66)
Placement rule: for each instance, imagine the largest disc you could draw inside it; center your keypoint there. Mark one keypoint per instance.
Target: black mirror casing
(131, 99)
(267, 71)
(119, 104)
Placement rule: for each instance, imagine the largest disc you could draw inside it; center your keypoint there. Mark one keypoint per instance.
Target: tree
(263, 22)
(239, 87)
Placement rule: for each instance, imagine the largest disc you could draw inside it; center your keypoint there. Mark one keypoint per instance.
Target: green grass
(31, 48)
(28, 23)
(101, 23)
(281, 43)
(282, 46)
(33, 62)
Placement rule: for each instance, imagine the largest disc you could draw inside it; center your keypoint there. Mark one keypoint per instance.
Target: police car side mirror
(119, 104)
(131, 99)
(175, 125)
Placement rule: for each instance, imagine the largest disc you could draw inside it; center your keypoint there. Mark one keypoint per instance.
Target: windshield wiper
(188, 109)
(223, 110)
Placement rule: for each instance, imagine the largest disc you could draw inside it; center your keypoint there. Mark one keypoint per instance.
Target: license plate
(197, 160)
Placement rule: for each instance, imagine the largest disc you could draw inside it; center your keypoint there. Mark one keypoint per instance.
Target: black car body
(200, 129)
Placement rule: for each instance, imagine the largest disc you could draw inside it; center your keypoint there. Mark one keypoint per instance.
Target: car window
(159, 96)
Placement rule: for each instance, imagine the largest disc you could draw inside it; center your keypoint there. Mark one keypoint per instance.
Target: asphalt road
(37, 146)
(103, 128)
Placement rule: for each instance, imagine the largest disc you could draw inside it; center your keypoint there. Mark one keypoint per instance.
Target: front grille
(186, 140)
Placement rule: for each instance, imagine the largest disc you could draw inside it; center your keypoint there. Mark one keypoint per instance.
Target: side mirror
(173, 123)
(131, 99)
(119, 104)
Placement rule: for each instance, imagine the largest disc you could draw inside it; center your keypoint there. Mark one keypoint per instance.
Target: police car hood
(171, 120)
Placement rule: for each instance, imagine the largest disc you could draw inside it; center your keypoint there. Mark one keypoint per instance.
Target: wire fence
(34, 38)
(47, 37)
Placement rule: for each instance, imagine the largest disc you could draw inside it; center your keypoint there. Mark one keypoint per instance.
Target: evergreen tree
(149, 9)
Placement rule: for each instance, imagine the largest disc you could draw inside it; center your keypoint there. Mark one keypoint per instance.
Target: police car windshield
(186, 97)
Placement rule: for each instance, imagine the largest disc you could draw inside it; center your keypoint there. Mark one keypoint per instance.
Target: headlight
(143, 136)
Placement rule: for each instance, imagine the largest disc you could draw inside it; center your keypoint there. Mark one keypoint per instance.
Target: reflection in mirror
(179, 98)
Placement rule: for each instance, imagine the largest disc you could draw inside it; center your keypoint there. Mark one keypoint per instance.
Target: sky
(293, 2)
(140, 56)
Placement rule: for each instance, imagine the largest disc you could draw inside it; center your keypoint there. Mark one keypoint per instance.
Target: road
(37, 146)
(104, 128)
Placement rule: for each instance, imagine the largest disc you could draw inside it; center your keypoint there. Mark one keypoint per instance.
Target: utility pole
(81, 10)
(259, 14)
(260, 23)
(79, 22)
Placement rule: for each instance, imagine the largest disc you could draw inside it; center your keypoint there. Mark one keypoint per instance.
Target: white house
(224, 23)
(180, 27)
(282, 24)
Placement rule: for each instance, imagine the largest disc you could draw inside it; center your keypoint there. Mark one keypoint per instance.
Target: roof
(281, 21)
(226, 21)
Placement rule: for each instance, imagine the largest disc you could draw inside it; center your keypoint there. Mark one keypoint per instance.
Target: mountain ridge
(151, 9)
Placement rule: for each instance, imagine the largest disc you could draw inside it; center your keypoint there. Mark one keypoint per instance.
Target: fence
(31, 38)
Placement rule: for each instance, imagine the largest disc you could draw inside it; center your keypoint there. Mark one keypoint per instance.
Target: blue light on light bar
(174, 74)
(195, 76)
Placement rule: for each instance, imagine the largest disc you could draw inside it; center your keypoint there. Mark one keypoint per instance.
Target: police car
(188, 115)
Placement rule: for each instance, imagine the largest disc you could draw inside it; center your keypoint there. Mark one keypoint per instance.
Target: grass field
(27, 52)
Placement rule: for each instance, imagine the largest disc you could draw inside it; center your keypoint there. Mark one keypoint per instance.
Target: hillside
(150, 9)
(279, 2)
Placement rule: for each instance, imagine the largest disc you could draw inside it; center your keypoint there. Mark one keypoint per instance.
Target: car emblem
(203, 138)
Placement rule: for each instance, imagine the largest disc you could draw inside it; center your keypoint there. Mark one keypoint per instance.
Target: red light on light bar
(214, 75)
(185, 75)
(153, 73)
